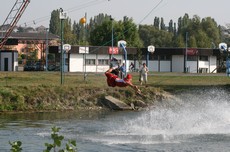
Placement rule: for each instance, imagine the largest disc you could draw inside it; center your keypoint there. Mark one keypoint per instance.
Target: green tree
(162, 24)
(192, 41)
(150, 35)
(101, 35)
(123, 30)
(170, 28)
(54, 26)
(69, 36)
(210, 27)
(156, 22)
(146, 34)
(179, 41)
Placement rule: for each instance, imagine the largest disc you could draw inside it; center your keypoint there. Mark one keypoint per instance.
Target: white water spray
(197, 114)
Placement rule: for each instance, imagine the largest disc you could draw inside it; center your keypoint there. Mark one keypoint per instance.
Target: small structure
(115, 104)
(9, 60)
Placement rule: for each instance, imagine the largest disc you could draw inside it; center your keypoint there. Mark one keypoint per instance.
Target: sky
(38, 12)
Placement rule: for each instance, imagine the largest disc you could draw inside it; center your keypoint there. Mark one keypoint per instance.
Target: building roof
(30, 36)
(94, 50)
(132, 50)
(16, 37)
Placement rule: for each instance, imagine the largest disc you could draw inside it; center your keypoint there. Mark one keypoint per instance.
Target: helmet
(129, 76)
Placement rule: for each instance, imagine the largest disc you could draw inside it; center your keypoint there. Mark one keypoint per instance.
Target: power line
(70, 10)
(146, 16)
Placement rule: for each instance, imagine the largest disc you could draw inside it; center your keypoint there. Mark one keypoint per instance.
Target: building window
(191, 58)
(90, 61)
(203, 58)
(103, 62)
(165, 57)
(153, 57)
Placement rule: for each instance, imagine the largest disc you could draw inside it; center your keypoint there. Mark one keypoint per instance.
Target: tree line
(99, 31)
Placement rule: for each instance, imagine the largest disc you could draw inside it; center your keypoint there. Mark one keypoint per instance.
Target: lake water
(198, 122)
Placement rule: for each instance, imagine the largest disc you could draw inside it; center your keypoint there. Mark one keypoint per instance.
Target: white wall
(177, 63)
(76, 63)
(210, 65)
(10, 58)
(192, 66)
(213, 62)
(153, 66)
(165, 66)
(203, 64)
(15, 61)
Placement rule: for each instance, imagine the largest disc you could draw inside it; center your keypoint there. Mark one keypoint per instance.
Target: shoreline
(53, 99)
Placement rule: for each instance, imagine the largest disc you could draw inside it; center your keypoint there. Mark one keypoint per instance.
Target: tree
(69, 36)
(101, 34)
(131, 32)
(123, 30)
(156, 22)
(202, 32)
(162, 24)
(209, 26)
(54, 26)
(170, 28)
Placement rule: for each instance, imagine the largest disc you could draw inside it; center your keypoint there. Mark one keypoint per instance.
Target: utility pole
(186, 52)
(62, 16)
(112, 35)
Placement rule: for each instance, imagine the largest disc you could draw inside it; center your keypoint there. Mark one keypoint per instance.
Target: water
(198, 122)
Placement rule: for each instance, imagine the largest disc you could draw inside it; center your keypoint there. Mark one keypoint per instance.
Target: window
(165, 57)
(103, 62)
(191, 58)
(203, 58)
(90, 61)
(153, 57)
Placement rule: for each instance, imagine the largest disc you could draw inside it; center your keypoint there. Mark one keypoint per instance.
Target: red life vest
(122, 84)
(111, 79)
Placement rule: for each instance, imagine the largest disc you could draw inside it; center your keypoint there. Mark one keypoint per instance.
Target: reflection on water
(197, 121)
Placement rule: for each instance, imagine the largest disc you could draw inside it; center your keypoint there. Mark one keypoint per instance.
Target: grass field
(99, 80)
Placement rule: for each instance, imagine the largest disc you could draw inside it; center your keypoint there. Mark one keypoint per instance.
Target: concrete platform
(116, 104)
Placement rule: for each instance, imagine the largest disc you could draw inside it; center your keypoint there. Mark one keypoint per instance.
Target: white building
(162, 60)
(9, 60)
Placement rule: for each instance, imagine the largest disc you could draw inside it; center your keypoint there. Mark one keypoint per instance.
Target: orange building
(26, 47)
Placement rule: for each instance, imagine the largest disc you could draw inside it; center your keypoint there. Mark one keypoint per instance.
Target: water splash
(207, 113)
(200, 112)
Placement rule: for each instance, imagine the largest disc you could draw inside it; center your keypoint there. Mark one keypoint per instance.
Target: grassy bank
(20, 91)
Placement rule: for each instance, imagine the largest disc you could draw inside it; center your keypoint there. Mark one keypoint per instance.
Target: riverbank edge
(55, 98)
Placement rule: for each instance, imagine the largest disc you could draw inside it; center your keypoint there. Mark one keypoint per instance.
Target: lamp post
(83, 22)
(62, 16)
(112, 34)
(186, 52)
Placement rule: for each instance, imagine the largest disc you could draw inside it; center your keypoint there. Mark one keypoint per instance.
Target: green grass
(99, 80)
(23, 91)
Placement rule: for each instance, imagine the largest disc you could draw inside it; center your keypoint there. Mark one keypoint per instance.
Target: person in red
(113, 81)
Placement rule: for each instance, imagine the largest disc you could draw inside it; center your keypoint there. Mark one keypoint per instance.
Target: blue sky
(142, 11)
